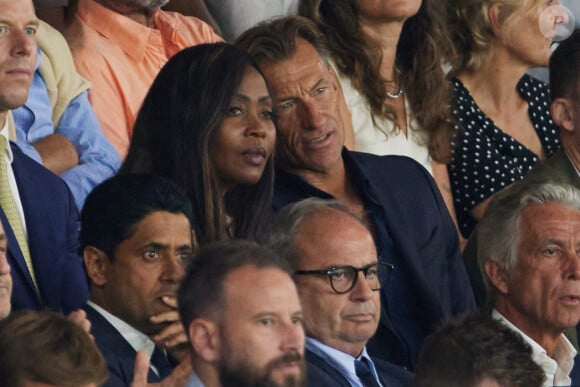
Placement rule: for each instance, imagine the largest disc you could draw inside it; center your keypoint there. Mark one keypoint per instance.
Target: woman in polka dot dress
(502, 116)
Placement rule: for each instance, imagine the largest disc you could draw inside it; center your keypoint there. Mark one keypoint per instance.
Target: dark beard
(242, 374)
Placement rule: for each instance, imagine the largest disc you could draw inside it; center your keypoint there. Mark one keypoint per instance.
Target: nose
(573, 266)
(311, 115)
(293, 337)
(173, 269)
(361, 291)
(22, 44)
(4, 266)
(258, 126)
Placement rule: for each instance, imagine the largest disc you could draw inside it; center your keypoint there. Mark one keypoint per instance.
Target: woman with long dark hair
(206, 123)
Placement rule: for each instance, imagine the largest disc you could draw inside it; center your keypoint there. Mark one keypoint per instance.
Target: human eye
(321, 90)
(372, 271)
(338, 274)
(3, 29)
(234, 111)
(30, 31)
(150, 255)
(266, 321)
(550, 251)
(286, 105)
(185, 255)
(266, 114)
(297, 320)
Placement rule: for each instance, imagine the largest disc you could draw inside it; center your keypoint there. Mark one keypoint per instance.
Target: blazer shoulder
(320, 373)
(392, 374)
(389, 166)
(118, 353)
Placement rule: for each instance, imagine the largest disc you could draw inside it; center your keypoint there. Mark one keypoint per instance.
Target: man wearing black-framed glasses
(338, 276)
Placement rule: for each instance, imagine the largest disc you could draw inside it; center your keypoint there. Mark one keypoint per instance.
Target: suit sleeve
(75, 289)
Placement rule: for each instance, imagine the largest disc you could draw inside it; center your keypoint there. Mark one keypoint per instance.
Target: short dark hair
(46, 347)
(113, 208)
(274, 41)
(473, 347)
(201, 291)
(176, 126)
(565, 68)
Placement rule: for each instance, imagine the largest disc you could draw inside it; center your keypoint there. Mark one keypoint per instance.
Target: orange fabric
(122, 57)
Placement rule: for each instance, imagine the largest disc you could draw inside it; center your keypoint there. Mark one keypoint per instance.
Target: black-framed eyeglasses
(343, 278)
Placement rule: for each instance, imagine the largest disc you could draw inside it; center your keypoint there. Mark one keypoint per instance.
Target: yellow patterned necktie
(11, 210)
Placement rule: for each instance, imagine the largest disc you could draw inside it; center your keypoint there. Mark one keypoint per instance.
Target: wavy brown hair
(423, 44)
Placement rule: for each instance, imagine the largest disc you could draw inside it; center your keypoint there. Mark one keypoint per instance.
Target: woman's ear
(496, 16)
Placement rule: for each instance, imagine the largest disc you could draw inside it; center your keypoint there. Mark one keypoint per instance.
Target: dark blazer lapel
(323, 366)
(403, 234)
(37, 214)
(16, 259)
(118, 353)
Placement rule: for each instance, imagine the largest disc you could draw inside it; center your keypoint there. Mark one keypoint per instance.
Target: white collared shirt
(136, 339)
(342, 361)
(558, 368)
(194, 381)
(11, 179)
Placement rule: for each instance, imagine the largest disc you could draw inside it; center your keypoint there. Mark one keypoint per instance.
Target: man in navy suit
(136, 240)
(336, 270)
(396, 197)
(46, 268)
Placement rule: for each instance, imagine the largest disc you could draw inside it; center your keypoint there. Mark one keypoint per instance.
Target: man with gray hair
(528, 250)
(336, 270)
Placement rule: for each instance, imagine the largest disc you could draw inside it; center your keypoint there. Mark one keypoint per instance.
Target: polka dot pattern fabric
(486, 159)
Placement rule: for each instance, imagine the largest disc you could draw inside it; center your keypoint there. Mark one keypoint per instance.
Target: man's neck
(571, 149)
(141, 15)
(206, 372)
(334, 181)
(337, 183)
(546, 339)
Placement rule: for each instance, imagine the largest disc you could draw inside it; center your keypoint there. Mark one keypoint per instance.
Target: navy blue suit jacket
(52, 223)
(320, 373)
(415, 232)
(118, 353)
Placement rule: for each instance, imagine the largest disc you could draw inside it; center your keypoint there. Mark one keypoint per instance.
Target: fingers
(79, 317)
(170, 301)
(141, 369)
(179, 376)
(170, 316)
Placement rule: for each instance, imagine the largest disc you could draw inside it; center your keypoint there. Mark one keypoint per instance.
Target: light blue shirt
(98, 159)
(194, 381)
(342, 361)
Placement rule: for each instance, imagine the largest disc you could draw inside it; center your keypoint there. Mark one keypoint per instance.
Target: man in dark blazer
(42, 203)
(136, 242)
(336, 270)
(395, 196)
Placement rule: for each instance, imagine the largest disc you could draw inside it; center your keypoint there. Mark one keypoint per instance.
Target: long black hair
(175, 128)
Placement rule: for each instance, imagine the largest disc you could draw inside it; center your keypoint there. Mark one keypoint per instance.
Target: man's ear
(562, 113)
(498, 275)
(96, 263)
(205, 339)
